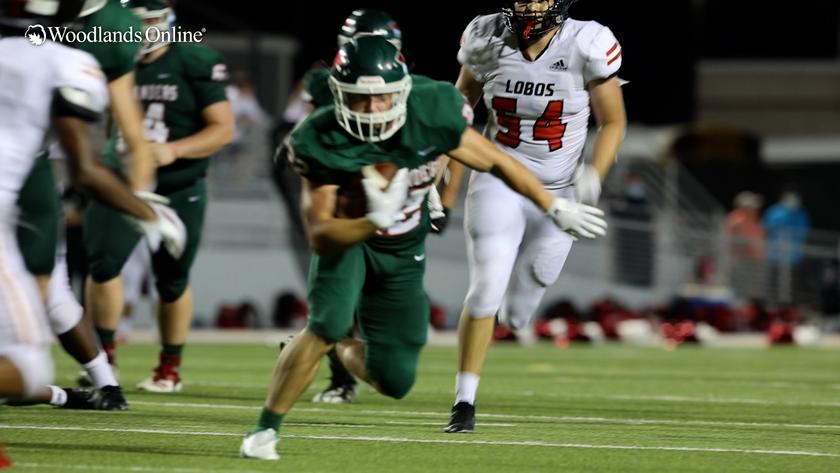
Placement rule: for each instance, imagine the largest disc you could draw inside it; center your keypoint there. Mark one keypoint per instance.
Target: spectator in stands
(787, 224)
(745, 234)
(247, 110)
(244, 158)
(634, 234)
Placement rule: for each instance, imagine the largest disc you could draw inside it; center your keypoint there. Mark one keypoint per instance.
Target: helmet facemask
(530, 25)
(371, 126)
(156, 24)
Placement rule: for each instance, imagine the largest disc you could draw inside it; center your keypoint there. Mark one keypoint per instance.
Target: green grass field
(539, 409)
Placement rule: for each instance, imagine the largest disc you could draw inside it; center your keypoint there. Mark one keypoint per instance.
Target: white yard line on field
(521, 417)
(509, 443)
(724, 400)
(64, 467)
(483, 424)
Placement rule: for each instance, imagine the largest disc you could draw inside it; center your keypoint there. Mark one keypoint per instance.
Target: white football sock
(59, 397)
(100, 371)
(466, 384)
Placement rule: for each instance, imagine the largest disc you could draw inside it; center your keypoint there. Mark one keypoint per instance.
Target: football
(351, 200)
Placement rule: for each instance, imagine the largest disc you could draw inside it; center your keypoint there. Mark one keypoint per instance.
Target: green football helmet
(370, 21)
(92, 6)
(163, 18)
(370, 65)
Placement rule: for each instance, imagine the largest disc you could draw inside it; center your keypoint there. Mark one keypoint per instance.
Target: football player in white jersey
(541, 73)
(44, 84)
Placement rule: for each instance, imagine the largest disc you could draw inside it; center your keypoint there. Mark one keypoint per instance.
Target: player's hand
(578, 220)
(163, 153)
(440, 222)
(438, 214)
(166, 229)
(385, 205)
(480, 54)
(587, 185)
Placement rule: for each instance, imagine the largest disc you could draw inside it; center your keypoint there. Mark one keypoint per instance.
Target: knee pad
(485, 295)
(63, 311)
(547, 262)
(331, 332)
(170, 290)
(104, 268)
(393, 368)
(34, 364)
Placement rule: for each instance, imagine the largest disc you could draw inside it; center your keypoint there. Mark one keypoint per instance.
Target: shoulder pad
(601, 50)
(481, 44)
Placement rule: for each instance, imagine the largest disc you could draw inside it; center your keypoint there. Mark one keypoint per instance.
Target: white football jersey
(29, 77)
(539, 110)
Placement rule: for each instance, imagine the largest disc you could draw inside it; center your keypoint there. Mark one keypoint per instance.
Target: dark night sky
(661, 39)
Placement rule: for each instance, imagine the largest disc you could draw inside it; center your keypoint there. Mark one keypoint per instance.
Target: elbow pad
(72, 102)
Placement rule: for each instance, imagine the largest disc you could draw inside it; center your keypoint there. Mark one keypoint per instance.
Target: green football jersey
(174, 90)
(326, 154)
(316, 83)
(116, 59)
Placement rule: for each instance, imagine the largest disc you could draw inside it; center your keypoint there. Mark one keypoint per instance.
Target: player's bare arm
(480, 154)
(452, 186)
(469, 86)
(90, 175)
(607, 104)
(128, 113)
(216, 134)
(327, 233)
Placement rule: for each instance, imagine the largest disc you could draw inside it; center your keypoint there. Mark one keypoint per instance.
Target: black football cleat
(77, 398)
(108, 398)
(462, 419)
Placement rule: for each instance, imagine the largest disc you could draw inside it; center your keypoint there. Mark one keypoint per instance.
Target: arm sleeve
(603, 55)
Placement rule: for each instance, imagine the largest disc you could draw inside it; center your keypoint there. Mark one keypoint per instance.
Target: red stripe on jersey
(612, 48)
(615, 58)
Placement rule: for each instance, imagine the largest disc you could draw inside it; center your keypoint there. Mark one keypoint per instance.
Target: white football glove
(385, 205)
(587, 185)
(151, 197)
(480, 54)
(435, 204)
(167, 229)
(578, 220)
(438, 214)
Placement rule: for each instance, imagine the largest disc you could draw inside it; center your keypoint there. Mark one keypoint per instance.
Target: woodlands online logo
(38, 34)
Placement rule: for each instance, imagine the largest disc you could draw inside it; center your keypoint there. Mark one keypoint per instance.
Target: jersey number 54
(548, 127)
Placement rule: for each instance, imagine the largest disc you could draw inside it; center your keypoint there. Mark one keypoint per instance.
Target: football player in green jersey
(188, 118)
(39, 203)
(372, 266)
(118, 61)
(316, 93)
